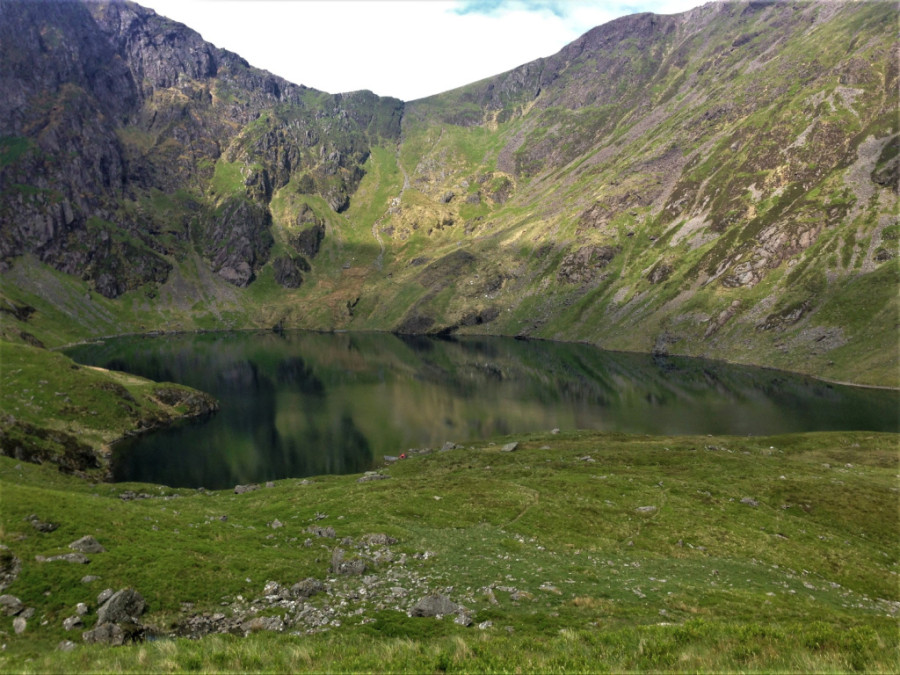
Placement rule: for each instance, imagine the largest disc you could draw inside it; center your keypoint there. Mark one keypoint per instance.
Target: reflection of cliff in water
(245, 444)
(302, 404)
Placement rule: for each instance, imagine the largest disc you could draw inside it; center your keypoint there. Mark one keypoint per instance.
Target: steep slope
(720, 183)
(128, 142)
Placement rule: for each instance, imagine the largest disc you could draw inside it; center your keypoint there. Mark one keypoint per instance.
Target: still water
(300, 404)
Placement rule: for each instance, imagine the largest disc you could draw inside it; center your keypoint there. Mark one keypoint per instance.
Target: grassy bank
(575, 551)
(54, 410)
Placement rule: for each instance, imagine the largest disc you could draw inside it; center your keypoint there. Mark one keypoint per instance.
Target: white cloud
(403, 48)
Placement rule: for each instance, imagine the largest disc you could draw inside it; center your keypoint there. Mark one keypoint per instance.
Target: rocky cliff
(721, 182)
(116, 119)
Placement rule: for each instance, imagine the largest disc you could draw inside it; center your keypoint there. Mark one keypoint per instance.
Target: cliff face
(110, 105)
(721, 182)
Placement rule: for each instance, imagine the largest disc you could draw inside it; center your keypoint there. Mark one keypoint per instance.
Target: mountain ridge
(717, 183)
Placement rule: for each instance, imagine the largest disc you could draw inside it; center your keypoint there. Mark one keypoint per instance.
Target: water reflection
(301, 404)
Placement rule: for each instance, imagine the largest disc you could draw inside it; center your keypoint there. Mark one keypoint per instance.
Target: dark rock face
(106, 104)
(288, 271)
(309, 240)
(237, 240)
(584, 265)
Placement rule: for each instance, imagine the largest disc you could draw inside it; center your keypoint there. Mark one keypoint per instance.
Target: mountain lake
(299, 404)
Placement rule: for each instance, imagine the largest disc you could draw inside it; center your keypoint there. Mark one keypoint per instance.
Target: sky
(408, 49)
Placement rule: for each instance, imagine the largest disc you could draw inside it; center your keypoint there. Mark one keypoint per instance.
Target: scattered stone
(434, 605)
(10, 605)
(370, 476)
(516, 596)
(378, 539)
(587, 458)
(73, 622)
(75, 558)
(339, 565)
(123, 606)
(550, 588)
(81, 609)
(19, 625)
(90, 578)
(27, 613)
(327, 532)
(484, 625)
(105, 595)
(87, 544)
(307, 588)
(463, 619)
(749, 501)
(554, 431)
(107, 634)
(66, 646)
(509, 447)
(10, 566)
(645, 509)
(450, 445)
(273, 589)
(390, 459)
(242, 489)
(275, 524)
(40, 525)
(259, 623)
(270, 484)
(130, 495)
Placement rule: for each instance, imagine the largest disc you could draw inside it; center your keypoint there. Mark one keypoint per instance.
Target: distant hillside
(721, 183)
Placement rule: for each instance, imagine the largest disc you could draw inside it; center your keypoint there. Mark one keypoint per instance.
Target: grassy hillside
(719, 183)
(56, 411)
(575, 551)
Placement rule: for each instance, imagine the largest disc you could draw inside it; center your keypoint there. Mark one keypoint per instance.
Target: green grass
(227, 179)
(59, 411)
(805, 580)
(12, 148)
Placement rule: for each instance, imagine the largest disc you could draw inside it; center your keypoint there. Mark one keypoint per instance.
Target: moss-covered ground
(550, 544)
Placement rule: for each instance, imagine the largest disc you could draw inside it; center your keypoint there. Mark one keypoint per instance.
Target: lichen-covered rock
(10, 605)
(434, 605)
(87, 544)
(40, 525)
(106, 634)
(342, 565)
(75, 558)
(123, 606)
(72, 622)
(10, 566)
(307, 588)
